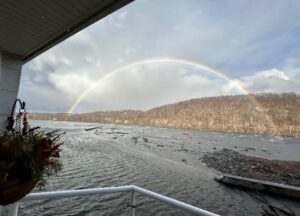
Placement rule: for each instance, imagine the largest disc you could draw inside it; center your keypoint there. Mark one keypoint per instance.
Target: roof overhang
(28, 28)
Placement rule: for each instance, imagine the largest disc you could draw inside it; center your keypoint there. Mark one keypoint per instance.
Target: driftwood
(93, 128)
(259, 185)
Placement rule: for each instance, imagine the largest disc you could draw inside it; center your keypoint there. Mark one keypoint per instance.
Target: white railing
(13, 210)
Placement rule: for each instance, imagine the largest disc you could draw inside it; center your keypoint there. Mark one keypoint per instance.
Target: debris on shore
(231, 162)
(135, 139)
(93, 128)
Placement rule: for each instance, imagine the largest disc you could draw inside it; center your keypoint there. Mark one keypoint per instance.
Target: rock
(249, 148)
(184, 160)
(135, 139)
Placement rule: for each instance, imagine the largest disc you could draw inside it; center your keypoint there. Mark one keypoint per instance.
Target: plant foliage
(29, 154)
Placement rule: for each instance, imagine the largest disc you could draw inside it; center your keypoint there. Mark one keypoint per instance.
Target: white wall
(10, 73)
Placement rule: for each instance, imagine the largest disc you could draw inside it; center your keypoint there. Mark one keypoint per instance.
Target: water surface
(167, 161)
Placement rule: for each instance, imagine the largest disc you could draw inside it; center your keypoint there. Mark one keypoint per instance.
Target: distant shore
(271, 114)
(195, 129)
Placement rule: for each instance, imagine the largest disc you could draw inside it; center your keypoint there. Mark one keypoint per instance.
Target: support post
(132, 203)
(10, 73)
(13, 209)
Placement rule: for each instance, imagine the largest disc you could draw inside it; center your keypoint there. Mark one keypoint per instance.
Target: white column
(10, 73)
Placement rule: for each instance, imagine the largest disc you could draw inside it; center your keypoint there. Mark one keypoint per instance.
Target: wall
(10, 73)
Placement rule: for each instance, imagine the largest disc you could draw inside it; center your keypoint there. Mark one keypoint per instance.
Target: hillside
(263, 113)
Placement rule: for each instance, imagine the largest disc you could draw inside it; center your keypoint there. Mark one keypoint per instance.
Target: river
(167, 161)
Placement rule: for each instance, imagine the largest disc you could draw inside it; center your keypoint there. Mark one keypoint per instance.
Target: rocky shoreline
(231, 162)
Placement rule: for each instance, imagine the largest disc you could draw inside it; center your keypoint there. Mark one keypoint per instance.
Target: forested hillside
(262, 113)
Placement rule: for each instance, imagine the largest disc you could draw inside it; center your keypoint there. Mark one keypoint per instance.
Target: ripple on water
(98, 160)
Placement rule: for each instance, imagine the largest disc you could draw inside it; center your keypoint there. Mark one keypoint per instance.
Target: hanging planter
(27, 157)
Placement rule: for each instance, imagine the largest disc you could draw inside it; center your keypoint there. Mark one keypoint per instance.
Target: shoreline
(231, 162)
(190, 129)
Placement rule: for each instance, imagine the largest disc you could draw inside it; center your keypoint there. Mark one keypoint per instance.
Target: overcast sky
(255, 43)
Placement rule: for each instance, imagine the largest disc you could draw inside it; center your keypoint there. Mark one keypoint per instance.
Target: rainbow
(196, 65)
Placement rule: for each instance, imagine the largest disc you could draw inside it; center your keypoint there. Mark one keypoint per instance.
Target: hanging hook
(10, 119)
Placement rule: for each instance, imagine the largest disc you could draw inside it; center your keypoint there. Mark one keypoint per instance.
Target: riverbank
(277, 115)
(234, 163)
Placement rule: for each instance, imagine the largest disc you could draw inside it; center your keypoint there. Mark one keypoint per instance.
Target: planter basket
(15, 189)
(27, 157)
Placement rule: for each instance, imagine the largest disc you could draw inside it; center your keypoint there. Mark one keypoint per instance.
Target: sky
(249, 46)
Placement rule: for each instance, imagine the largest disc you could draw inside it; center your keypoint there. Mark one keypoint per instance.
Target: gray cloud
(272, 80)
(148, 86)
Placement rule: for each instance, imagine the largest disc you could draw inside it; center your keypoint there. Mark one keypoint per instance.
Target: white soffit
(30, 27)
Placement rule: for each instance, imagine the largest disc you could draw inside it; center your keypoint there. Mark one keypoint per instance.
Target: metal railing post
(132, 203)
(13, 209)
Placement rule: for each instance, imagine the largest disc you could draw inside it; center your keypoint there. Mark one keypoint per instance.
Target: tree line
(257, 113)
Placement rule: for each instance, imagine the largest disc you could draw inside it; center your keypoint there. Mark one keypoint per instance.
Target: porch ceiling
(30, 27)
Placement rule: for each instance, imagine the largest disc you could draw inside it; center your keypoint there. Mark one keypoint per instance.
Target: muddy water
(163, 160)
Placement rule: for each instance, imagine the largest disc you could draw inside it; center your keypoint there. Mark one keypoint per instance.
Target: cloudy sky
(250, 44)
